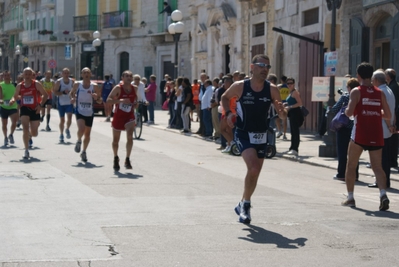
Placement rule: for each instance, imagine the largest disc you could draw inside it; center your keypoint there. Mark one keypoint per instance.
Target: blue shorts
(65, 109)
(241, 138)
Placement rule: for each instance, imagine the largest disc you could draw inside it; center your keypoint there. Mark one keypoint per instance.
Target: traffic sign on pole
(52, 64)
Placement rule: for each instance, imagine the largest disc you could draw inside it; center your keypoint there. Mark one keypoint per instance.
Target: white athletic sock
(350, 195)
(382, 192)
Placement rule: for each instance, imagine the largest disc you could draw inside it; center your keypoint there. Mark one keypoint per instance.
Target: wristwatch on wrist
(228, 113)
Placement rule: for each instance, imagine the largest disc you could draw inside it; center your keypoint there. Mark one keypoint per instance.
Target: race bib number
(64, 100)
(6, 102)
(84, 105)
(125, 107)
(257, 138)
(28, 100)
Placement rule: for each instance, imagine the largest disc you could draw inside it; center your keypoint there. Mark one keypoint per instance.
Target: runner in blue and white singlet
(62, 88)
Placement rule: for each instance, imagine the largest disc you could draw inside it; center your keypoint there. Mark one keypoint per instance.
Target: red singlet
(367, 129)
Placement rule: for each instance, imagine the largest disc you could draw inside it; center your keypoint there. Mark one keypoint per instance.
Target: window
(311, 16)
(259, 29)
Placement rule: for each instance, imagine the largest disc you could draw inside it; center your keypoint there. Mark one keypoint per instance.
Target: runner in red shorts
(124, 96)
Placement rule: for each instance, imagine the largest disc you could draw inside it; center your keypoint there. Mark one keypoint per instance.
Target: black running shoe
(384, 203)
(116, 164)
(127, 164)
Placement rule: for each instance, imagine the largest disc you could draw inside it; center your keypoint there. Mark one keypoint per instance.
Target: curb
(279, 155)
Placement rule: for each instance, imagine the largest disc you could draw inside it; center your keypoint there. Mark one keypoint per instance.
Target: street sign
(68, 52)
(321, 88)
(330, 63)
(52, 64)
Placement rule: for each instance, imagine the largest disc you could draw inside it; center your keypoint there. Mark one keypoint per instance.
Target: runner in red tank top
(28, 91)
(366, 113)
(368, 105)
(124, 96)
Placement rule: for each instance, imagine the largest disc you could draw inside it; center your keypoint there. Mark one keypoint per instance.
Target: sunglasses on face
(289, 83)
(263, 65)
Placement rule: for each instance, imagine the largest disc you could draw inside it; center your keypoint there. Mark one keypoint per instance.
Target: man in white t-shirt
(206, 108)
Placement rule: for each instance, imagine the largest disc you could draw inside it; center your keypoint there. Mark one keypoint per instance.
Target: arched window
(382, 43)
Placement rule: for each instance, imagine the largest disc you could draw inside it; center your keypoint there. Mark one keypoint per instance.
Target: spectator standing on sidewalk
(214, 109)
(171, 104)
(365, 104)
(201, 129)
(186, 104)
(178, 104)
(294, 104)
(144, 111)
(105, 91)
(206, 108)
(163, 89)
(195, 88)
(388, 126)
(343, 135)
(151, 91)
(390, 75)
(284, 93)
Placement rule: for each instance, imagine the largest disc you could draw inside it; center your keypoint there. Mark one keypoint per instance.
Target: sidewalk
(308, 149)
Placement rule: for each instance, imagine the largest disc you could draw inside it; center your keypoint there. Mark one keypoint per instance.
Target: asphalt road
(175, 208)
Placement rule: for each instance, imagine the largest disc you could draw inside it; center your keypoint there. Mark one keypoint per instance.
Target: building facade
(134, 36)
(43, 31)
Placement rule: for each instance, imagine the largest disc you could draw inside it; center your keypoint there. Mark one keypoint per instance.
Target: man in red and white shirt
(124, 97)
(30, 91)
(368, 105)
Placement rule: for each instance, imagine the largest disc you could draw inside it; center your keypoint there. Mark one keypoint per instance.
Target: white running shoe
(227, 149)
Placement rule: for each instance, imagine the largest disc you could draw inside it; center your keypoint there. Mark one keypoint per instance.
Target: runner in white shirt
(83, 94)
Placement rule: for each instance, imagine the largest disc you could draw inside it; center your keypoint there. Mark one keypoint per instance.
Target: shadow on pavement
(30, 160)
(380, 214)
(260, 235)
(128, 175)
(87, 165)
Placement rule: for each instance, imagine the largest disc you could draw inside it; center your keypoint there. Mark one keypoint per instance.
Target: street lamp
(17, 53)
(176, 29)
(96, 43)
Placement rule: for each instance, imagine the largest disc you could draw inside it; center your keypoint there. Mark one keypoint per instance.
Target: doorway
(169, 68)
(124, 62)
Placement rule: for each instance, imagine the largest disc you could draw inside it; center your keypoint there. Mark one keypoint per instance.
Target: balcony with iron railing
(87, 23)
(117, 19)
(15, 25)
(48, 3)
(23, 2)
(30, 37)
(56, 38)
